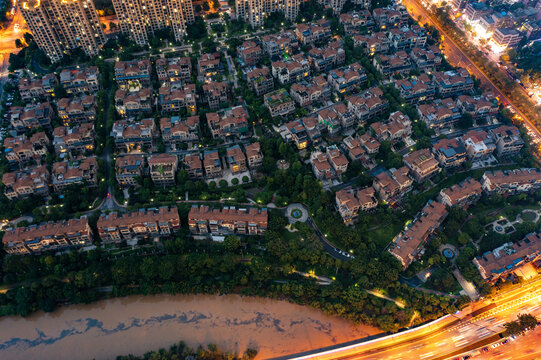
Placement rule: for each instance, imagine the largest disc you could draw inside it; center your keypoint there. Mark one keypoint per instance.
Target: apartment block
(129, 168)
(229, 124)
(203, 220)
(449, 152)
(279, 103)
(506, 37)
(31, 181)
(508, 140)
(74, 141)
(21, 149)
(175, 98)
(506, 259)
(153, 223)
(31, 116)
(254, 12)
(140, 135)
(422, 164)
(176, 131)
(511, 181)
(465, 193)
(260, 80)
(51, 24)
(163, 169)
(73, 112)
(77, 81)
(36, 239)
(409, 244)
(216, 94)
(80, 171)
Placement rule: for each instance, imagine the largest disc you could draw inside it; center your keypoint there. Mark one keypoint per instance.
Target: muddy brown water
(137, 324)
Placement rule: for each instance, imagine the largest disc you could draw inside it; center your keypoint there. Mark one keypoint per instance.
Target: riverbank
(136, 324)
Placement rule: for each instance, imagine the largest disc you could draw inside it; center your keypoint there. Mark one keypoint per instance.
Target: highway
(457, 57)
(442, 338)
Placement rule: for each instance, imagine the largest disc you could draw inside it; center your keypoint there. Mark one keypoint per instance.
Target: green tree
(231, 243)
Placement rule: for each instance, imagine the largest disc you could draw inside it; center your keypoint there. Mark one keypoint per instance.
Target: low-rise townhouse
(357, 21)
(79, 81)
(370, 144)
(212, 164)
(504, 260)
(261, 80)
(354, 149)
(73, 112)
(349, 202)
(511, 181)
(35, 239)
(134, 103)
(194, 166)
(367, 104)
(338, 161)
(216, 94)
(175, 98)
(75, 140)
(396, 128)
(31, 116)
(30, 181)
(347, 78)
(346, 117)
(407, 37)
(479, 144)
(330, 120)
(163, 169)
(281, 44)
(279, 103)
(174, 70)
(153, 223)
(140, 135)
(209, 65)
(203, 220)
(129, 73)
(426, 59)
(254, 155)
(328, 57)
(390, 16)
(236, 159)
(375, 43)
(507, 139)
(128, 169)
(310, 34)
(449, 152)
(296, 131)
(422, 164)
(176, 131)
(409, 244)
(479, 106)
(307, 93)
(249, 53)
(391, 185)
(229, 124)
(320, 166)
(294, 69)
(453, 82)
(465, 193)
(397, 63)
(416, 89)
(21, 149)
(439, 114)
(30, 89)
(81, 171)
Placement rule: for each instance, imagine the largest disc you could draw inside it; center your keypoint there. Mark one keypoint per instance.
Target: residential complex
(203, 220)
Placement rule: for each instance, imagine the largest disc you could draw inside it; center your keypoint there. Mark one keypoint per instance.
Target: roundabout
(296, 213)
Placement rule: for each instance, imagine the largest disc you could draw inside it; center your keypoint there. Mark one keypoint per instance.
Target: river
(137, 324)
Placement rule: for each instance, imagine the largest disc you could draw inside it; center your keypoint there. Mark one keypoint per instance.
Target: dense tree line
(180, 352)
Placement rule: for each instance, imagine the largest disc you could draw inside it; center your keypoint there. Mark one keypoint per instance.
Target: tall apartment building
(58, 26)
(255, 11)
(138, 18)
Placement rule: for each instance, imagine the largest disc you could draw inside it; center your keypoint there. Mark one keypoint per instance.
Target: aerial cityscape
(270, 179)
